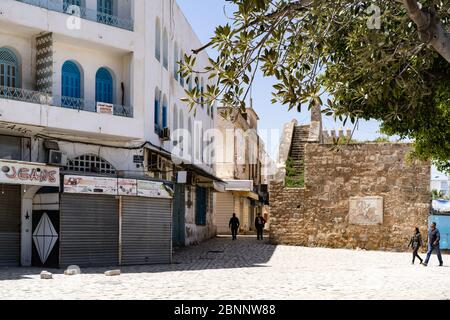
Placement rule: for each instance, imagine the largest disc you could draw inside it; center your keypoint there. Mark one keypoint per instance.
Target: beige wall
(318, 215)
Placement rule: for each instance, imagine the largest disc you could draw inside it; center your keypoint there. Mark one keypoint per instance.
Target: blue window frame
(158, 41)
(105, 6)
(156, 119)
(8, 69)
(68, 3)
(201, 206)
(103, 86)
(71, 85)
(164, 116)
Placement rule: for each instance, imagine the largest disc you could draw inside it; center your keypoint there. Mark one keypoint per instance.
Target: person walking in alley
(260, 222)
(415, 243)
(434, 238)
(234, 226)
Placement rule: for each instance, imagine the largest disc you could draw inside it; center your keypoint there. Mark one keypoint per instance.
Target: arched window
(165, 49)
(71, 85)
(158, 40)
(175, 117)
(157, 110)
(165, 120)
(181, 60)
(90, 163)
(202, 90)
(103, 86)
(9, 69)
(197, 86)
(68, 3)
(190, 85)
(176, 67)
(105, 7)
(181, 119)
(190, 139)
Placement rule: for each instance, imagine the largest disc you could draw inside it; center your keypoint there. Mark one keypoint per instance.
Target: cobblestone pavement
(246, 269)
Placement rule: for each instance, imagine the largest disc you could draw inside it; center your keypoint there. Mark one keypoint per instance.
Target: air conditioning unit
(155, 162)
(165, 134)
(57, 158)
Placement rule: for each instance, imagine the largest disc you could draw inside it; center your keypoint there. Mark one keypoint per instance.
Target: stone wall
(319, 214)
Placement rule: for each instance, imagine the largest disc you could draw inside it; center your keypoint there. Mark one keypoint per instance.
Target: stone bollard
(112, 273)
(72, 271)
(46, 275)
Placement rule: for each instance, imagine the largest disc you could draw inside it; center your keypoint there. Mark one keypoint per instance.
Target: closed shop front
(19, 182)
(89, 230)
(224, 211)
(146, 231)
(10, 209)
(112, 221)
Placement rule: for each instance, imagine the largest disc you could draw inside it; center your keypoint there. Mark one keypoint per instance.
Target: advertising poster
(127, 187)
(90, 185)
(152, 189)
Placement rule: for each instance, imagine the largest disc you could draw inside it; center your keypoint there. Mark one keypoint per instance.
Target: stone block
(112, 273)
(45, 275)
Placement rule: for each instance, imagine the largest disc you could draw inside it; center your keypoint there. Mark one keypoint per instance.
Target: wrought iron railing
(30, 96)
(82, 12)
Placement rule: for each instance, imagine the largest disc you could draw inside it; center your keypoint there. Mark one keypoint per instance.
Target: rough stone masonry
(367, 196)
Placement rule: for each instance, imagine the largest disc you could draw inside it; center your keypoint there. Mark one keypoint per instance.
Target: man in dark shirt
(260, 222)
(234, 226)
(434, 237)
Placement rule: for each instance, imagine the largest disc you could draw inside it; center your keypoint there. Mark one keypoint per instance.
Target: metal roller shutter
(89, 230)
(146, 231)
(224, 210)
(10, 215)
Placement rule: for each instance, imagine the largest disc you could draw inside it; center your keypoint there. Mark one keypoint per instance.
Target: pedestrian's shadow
(218, 253)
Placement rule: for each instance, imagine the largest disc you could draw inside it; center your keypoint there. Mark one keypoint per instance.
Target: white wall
(180, 32)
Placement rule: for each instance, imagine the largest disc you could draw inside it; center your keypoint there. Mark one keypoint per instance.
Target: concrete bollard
(72, 271)
(112, 273)
(45, 275)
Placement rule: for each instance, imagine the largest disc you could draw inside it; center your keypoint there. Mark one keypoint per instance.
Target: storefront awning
(201, 173)
(239, 185)
(247, 194)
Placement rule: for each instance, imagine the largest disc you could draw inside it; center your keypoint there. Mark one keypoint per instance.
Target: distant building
(242, 163)
(440, 182)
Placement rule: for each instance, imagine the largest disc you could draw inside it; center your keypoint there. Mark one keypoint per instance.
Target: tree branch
(430, 28)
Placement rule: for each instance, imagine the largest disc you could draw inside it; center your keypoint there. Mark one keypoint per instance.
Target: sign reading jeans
(24, 173)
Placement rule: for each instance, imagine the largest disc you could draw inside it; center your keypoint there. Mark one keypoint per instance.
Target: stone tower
(315, 130)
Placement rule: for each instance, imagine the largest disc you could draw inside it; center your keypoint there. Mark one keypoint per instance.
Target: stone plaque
(366, 211)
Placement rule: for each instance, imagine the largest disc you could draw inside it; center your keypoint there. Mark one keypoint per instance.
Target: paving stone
(247, 269)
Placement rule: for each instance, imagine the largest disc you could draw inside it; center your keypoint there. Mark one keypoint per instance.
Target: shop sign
(105, 108)
(116, 187)
(24, 173)
(90, 185)
(152, 189)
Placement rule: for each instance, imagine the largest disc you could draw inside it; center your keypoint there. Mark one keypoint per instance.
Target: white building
(81, 80)
(440, 182)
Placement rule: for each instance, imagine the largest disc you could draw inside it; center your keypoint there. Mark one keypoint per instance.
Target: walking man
(434, 237)
(234, 226)
(260, 222)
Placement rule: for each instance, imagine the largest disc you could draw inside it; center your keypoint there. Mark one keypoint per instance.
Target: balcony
(82, 12)
(29, 96)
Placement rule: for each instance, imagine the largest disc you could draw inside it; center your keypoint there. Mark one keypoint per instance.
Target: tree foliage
(383, 69)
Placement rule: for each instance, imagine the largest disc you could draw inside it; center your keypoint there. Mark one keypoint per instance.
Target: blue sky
(204, 16)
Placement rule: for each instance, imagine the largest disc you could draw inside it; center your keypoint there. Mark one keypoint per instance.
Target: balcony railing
(58, 101)
(82, 12)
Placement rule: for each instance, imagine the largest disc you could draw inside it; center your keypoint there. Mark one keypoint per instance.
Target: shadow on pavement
(218, 253)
